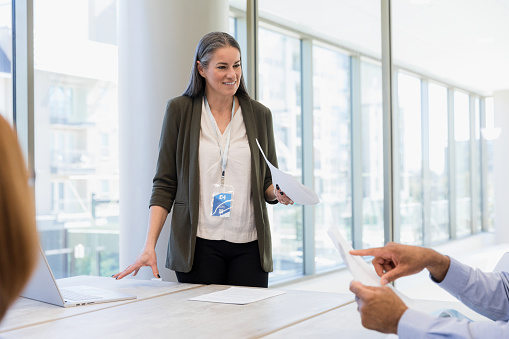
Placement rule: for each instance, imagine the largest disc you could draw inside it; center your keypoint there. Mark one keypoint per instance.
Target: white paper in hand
(360, 270)
(296, 191)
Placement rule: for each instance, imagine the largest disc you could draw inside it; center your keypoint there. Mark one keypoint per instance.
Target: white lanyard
(224, 154)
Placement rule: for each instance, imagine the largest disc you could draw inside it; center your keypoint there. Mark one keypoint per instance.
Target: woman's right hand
(146, 258)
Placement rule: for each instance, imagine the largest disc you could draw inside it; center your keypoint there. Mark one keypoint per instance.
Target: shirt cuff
(414, 324)
(456, 277)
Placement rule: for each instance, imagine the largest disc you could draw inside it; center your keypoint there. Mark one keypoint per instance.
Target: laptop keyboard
(72, 295)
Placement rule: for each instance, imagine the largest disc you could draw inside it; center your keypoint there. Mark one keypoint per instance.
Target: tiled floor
(480, 251)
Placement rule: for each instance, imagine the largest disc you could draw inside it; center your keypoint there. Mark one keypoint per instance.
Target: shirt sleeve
(416, 325)
(487, 293)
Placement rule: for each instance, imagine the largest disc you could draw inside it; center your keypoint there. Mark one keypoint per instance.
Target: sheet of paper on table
(360, 269)
(238, 295)
(296, 191)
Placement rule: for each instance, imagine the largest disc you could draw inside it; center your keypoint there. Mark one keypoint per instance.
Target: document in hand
(296, 191)
(360, 270)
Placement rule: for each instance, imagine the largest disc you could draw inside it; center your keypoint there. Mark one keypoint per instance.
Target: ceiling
(464, 43)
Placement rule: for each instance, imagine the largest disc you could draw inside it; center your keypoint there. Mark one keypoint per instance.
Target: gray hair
(204, 51)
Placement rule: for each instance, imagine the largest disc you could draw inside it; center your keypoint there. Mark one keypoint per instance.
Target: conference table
(163, 309)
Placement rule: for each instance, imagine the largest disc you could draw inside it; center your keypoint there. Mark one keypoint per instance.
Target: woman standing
(213, 175)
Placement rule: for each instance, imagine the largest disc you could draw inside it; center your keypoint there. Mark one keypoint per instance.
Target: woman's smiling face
(223, 72)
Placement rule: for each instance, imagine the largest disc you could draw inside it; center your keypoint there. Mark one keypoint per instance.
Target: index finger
(367, 251)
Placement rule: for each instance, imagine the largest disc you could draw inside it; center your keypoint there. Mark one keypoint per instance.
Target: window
(438, 163)
(332, 151)
(477, 191)
(490, 138)
(280, 83)
(462, 175)
(60, 102)
(410, 162)
(372, 155)
(76, 118)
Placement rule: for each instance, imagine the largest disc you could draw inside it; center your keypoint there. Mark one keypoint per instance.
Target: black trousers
(225, 263)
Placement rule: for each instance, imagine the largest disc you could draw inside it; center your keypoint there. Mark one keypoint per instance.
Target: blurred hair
(18, 234)
(204, 51)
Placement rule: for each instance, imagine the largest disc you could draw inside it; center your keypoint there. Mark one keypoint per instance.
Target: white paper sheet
(238, 295)
(361, 270)
(296, 191)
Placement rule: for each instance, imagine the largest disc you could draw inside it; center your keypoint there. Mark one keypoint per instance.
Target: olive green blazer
(176, 182)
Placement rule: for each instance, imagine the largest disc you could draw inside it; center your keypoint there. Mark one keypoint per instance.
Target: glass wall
(410, 160)
(331, 150)
(372, 161)
(490, 136)
(76, 119)
(280, 90)
(76, 135)
(6, 106)
(477, 162)
(438, 162)
(462, 175)
(348, 132)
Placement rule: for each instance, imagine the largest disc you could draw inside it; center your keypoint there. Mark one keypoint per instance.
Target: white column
(501, 166)
(156, 44)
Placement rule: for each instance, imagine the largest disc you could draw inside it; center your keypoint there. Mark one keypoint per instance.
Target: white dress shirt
(240, 227)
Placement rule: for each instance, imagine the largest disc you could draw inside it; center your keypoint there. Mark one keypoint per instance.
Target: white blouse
(240, 227)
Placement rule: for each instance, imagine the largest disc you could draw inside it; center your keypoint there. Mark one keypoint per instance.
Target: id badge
(222, 199)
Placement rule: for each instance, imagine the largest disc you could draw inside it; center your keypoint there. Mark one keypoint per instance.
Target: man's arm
(486, 293)
(415, 325)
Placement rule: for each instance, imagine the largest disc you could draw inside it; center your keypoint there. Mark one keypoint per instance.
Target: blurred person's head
(18, 234)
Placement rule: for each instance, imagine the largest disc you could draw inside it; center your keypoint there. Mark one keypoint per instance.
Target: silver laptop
(43, 287)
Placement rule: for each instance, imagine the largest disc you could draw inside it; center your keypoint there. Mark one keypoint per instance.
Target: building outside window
(76, 117)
